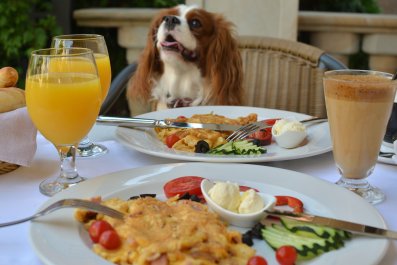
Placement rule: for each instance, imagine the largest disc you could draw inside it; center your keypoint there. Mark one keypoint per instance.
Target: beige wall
(274, 18)
(388, 6)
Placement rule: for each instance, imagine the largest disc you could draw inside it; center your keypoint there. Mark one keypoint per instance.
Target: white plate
(58, 239)
(145, 141)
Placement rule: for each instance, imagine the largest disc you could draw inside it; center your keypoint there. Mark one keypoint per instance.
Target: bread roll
(8, 77)
(11, 98)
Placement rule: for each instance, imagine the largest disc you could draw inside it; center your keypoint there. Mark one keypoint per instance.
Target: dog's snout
(171, 22)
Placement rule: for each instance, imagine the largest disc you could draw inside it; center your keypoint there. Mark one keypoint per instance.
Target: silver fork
(70, 203)
(242, 132)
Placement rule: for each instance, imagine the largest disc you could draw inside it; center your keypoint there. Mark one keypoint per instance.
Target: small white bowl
(289, 139)
(237, 219)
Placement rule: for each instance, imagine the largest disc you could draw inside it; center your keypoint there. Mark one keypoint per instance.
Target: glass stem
(68, 161)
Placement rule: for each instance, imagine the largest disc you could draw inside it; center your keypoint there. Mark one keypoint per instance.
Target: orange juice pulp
(104, 71)
(63, 106)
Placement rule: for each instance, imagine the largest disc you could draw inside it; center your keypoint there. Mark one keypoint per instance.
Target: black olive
(147, 195)
(185, 196)
(202, 147)
(247, 238)
(256, 231)
(142, 196)
(195, 198)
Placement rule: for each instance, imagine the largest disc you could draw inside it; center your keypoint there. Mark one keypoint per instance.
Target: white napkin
(17, 137)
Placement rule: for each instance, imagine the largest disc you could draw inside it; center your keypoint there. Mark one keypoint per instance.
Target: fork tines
(244, 131)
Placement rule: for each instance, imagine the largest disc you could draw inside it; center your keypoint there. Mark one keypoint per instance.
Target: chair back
(284, 74)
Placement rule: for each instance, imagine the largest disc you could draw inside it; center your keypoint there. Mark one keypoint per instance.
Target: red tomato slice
(245, 188)
(271, 121)
(181, 185)
(294, 203)
(171, 139)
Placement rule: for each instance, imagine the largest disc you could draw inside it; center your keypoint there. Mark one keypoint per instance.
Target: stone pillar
(272, 18)
(338, 44)
(382, 51)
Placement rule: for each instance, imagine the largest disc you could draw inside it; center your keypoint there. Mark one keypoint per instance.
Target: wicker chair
(283, 74)
(278, 74)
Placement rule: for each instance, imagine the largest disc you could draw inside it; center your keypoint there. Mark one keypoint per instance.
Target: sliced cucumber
(307, 243)
(243, 147)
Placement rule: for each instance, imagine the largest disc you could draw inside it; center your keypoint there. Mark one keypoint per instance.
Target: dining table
(20, 195)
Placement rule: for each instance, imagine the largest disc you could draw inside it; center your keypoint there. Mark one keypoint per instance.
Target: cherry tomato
(97, 228)
(264, 136)
(110, 239)
(182, 185)
(257, 260)
(286, 255)
(171, 139)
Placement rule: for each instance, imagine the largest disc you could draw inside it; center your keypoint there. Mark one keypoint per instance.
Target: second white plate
(145, 141)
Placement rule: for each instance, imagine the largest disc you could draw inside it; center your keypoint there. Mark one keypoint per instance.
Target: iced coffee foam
(369, 88)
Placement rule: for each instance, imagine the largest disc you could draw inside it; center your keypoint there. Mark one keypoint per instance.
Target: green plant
(25, 25)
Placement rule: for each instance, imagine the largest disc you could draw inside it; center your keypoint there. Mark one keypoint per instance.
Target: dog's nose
(171, 22)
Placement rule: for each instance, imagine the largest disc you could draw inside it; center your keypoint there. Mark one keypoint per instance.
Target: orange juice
(63, 106)
(69, 65)
(104, 72)
(80, 64)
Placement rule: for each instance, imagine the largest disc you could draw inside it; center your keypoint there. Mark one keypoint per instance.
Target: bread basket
(11, 99)
(7, 167)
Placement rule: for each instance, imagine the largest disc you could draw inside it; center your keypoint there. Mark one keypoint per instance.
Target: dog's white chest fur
(179, 80)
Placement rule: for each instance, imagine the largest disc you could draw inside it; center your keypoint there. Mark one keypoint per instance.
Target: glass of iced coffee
(359, 104)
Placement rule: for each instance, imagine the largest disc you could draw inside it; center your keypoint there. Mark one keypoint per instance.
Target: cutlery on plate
(335, 223)
(70, 203)
(250, 128)
(151, 123)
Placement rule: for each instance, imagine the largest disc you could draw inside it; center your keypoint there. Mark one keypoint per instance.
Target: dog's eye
(194, 23)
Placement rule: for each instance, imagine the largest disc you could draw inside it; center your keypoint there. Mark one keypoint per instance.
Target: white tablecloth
(20, 196)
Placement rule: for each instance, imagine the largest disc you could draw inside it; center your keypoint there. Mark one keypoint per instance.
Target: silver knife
(141, 122)
(335, 223)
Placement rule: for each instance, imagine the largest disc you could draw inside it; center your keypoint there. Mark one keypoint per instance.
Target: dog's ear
(224, 65)
(149, 65)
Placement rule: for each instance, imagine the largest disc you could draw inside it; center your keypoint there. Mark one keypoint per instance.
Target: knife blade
(336, 223)
(151, 123)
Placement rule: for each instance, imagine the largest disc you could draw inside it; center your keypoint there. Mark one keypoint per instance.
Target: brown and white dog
(191, 58)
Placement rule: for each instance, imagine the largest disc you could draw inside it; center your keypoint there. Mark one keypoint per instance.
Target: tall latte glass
(358, 107)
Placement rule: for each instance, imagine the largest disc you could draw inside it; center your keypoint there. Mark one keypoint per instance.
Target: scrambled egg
(190, 137)
(170, 233)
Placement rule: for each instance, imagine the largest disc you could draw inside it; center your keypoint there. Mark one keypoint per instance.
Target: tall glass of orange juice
(97, 44)
(63, 98)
